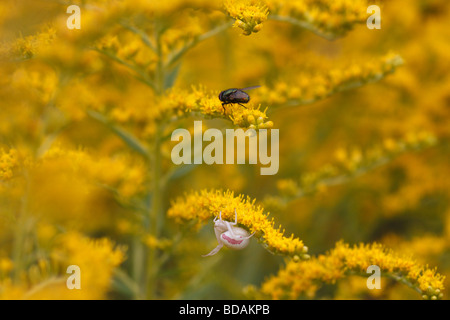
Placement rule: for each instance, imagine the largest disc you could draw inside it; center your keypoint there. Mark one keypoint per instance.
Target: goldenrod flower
(349, 164)
(177, 103)
(117, 172)
(27, 47)
(201, 206)
(153, 242)
(8, 161)
(328, 18)
(306, 88)
(304, 277)
(249, 14)
(46, 279)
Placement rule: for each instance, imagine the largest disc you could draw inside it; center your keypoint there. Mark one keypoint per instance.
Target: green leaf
(171, 76)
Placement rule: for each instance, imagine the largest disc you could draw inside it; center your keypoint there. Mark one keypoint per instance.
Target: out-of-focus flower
(327, 18)
(348, 165)
(8, 161)
(46, 279)
(118, 172)
(307, 88)
(154, 242)
(27, 47)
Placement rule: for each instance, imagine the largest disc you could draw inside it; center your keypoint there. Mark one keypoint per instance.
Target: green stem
(174, 57)
(153, 221)
(154, 212)
(139, 74)
(21, 229)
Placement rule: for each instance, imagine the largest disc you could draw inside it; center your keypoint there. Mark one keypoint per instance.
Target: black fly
(234, 95)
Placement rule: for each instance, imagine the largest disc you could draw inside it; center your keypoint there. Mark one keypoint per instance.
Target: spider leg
(214, 251)
(249, 236)
(235, 219)
(229, 224)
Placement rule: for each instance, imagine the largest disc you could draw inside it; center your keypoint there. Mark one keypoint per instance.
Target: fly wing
(239, 96)
(250, 88)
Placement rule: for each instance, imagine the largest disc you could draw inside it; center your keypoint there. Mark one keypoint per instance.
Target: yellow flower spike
(96, 259)
(327, 18)
(203, 205)
(177, 102)
(120, 172)
(303, 277)
(27, 47)
(249, 14)
(307, 87)
(46, 279)
(348, 165)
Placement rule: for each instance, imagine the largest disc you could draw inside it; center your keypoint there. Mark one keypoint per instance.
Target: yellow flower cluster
(29, 46)
(8, 161)
(153, 242)
(426, 248)
(328, 18)
(96, 259)
(177, 37)
(168, 8)
(249, 14)
(305, 277)
(46, 279)
(120, 173)
(39, 84)
(129, 50)
(201, 206)
(199, 100)
(175, 104)
(307, 88)
(355, 162)
(137, 50)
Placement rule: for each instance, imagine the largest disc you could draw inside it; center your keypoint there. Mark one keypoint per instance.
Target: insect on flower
(227, 234)
(234, 95)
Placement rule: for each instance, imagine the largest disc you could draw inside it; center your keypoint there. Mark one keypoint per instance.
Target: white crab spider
(227, 234)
